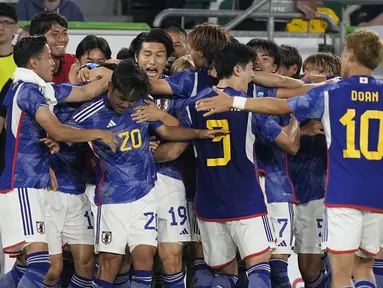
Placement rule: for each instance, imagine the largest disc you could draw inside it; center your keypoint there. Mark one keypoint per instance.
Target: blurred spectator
(27, 9)
(308, 7)
(367, 15)
(23, 33)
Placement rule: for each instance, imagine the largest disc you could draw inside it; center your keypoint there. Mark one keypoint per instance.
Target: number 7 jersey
(352, 117)
(227, 178)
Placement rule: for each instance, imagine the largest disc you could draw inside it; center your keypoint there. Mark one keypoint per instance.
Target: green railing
(102, 25)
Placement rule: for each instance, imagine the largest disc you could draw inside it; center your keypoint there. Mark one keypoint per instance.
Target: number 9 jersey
(227, 177)
(352, 116)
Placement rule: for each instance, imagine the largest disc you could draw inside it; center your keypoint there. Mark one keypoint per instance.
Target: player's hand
(109, 139)
(83, 75)
(315, 78)
(73, 73)
(154, 143)
(52, 145)
(54, 184)
(312, 128)
(305, 9)
(210, 134)
(100, 73)
(218, 104)
(147, 113)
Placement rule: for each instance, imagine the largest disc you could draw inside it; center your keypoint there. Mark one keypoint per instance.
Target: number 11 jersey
(352, 118)
(227, 177)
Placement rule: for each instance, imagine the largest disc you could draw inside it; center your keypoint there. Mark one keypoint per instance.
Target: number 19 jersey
(352, 117)
(227, 177)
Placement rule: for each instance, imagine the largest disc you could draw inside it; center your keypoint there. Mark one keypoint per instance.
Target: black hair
(135, 45)
(269, 47)
(231, 55)
(27, 48)
(131, 80)
(176, 29)
(158, 35)
(43, 22)
(290, 56)
(124, 54)
(234, 40)
(92, 42)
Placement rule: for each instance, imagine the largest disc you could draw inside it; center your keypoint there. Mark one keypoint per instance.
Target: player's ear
(110, 86)
(33, 62)
(237, 71)
(275, 68)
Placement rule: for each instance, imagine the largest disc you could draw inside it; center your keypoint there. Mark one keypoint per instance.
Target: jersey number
(223, 124)
(348, 121)
(136, 140)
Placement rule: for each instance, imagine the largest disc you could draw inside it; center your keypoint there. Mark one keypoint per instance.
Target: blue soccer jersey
(69, 163)
(128, 174)
(227, 178)
(26, 157)
(188, 83)
(352, 115)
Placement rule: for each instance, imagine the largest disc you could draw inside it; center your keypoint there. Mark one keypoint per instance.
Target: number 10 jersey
(227, 177)
(352, 116)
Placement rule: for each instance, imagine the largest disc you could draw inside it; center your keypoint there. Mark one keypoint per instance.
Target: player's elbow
(293, 148)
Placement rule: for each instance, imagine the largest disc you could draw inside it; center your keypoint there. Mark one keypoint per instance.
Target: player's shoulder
(89, 109)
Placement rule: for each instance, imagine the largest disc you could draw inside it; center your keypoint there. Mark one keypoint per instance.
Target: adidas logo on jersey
(184, 232)
(282, 244)
(111, 124)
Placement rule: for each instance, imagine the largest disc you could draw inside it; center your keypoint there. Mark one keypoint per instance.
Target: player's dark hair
(136, 45)
(230, 56)
(124, 54)
(131, 80)
(208, 39)
(176, 29)
(289, 57)
(269, 47)
(43, 22)
(158, 35)
(91, 42)
(27, 48)
(234, 40)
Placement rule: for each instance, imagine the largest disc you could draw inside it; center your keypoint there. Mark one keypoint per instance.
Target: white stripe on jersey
(80, 115)
(16, 113)
(191, 121)
(326, 119)
(250, 138)
(194, 92)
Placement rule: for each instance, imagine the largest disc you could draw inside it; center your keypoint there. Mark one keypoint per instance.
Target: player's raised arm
(181, 134)
(160, 87)
(169, 151)
(223, 102)
(63, 133)
(275, 81)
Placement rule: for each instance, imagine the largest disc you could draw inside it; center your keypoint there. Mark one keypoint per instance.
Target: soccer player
(353, 215)
(127, 206)
(307, 171)
(173, 220)
(55, 28)
(229, 203)
(291, 62)
(26, 175)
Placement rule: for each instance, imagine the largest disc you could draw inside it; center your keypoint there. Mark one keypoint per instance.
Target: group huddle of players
(102, 161)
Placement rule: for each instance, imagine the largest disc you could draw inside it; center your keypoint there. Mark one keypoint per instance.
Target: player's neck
(6, 49)
(57, 64)
(233, 83)
(360, 70)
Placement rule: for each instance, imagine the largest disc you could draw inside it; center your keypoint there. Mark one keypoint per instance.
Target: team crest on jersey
(106, 237)
(40, 227)
(163, 104)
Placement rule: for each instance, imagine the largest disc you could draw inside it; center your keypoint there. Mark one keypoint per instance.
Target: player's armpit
(289, 138)
(276, 81)
(160, 87)
(169, 151)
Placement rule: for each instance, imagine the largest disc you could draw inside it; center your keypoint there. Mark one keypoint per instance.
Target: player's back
(227, 185)
(353, 122)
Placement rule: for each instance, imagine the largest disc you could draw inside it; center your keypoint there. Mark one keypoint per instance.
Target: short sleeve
(30, 99)
(62, 91)
(309, 106)
(266, 127)
(182, 83)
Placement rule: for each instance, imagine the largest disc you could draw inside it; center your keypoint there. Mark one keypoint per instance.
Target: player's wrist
(239, 102)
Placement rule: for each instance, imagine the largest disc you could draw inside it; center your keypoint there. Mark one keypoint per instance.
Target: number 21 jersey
(352, 117)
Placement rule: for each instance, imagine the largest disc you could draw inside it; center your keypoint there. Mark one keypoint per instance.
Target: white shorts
(132, 224)
(22, 219)
(282, 220)
(69, 220)
(348, 230)
(173, 219)
(195, 233)
(220, 240)
(308, 227)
